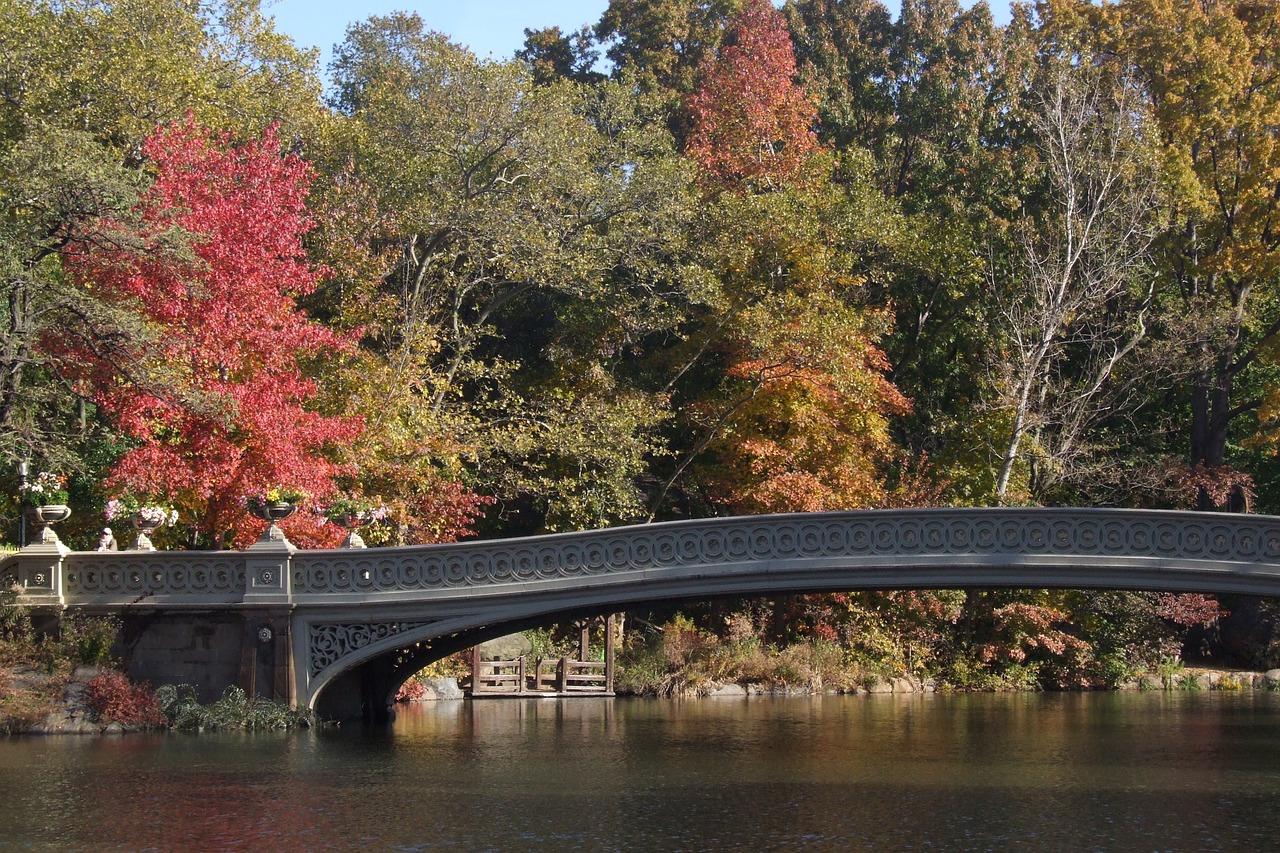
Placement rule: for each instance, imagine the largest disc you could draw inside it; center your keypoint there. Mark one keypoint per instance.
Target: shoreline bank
(72, 715)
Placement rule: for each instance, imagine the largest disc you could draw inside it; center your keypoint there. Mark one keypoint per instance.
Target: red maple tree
(750, 120)
(219, 404)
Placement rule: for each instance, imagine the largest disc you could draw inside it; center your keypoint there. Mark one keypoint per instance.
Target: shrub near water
(22, 709)
(113, 698)
(235, 710)
(681, 659)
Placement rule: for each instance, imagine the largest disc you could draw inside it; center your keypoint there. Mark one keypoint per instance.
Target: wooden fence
(545, 676)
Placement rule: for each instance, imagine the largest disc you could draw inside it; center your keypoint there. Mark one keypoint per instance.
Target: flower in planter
(45, 489)
(272, 496)
(149, 512)
(358, 509)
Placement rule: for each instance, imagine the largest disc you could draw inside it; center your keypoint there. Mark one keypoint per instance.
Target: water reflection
(1066, 771)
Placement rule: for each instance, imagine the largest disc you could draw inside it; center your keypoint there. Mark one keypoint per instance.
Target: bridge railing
(1240, 549)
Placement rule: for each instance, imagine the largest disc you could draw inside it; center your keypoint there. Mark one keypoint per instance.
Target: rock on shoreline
(72, 716)
(1189, 679)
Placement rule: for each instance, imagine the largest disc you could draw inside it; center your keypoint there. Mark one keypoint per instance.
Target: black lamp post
(23, 470)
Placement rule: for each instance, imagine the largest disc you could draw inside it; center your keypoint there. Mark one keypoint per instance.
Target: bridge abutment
(211, 650)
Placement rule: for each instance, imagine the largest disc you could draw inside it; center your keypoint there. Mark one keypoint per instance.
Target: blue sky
(489, 27)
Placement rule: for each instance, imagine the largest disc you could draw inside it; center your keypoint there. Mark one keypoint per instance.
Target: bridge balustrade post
(40, 572)
(266, 652)
(268, 572)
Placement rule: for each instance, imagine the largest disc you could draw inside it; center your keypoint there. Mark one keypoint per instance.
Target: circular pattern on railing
(113, 580)
(455, 570)
(526, 566)
(1247, 543)
(433, 572)
(786, 542)
(159, 574)
(1270, 544)
(503, 565)
(986, 536)
(737, 544)
(1114, 537)
(852, 538)
(596, 557)
(479, 568)
(809, 540)
(1088, 536)
(199, 579)
(713, 545)
(571, 554)
(362, 575)
(617, 553)
(640, 553)
(319, 579)
(803, 538)
(1166, 539)
(907, 536)
(1220, 540)
(934, 535)
(690, 547)
(885, 538)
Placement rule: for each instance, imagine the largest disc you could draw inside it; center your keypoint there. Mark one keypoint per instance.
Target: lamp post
(23, 470)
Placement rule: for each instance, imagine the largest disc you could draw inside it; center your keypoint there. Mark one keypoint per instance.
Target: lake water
(1102, 771)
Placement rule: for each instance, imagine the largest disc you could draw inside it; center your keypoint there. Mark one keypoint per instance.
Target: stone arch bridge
(340, 630)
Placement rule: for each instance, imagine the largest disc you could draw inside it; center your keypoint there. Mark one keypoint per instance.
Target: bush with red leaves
(113, 698)
(411, 691)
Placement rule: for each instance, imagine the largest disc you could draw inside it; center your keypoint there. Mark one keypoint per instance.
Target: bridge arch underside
(357, 657)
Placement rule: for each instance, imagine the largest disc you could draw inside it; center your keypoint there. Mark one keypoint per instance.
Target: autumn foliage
(113, 698)
(750, 120)
(780, 260)
(811, 432)
(217, 400)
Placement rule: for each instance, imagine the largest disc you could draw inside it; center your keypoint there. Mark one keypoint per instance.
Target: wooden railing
(549, 676)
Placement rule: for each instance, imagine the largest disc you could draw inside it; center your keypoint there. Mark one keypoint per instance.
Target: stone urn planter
(351, 523)
(143, 528)
(46, 517)
(272, 513)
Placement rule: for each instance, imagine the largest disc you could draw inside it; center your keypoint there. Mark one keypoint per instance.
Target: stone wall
(211, 650)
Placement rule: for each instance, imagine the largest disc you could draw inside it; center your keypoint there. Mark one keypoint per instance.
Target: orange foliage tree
(811, 432)
(750, 119)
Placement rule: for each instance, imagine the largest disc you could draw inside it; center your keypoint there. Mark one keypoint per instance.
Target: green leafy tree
(530, 225)
(554, 55)
(119, 68)
(664, 43)
(1210, 69)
